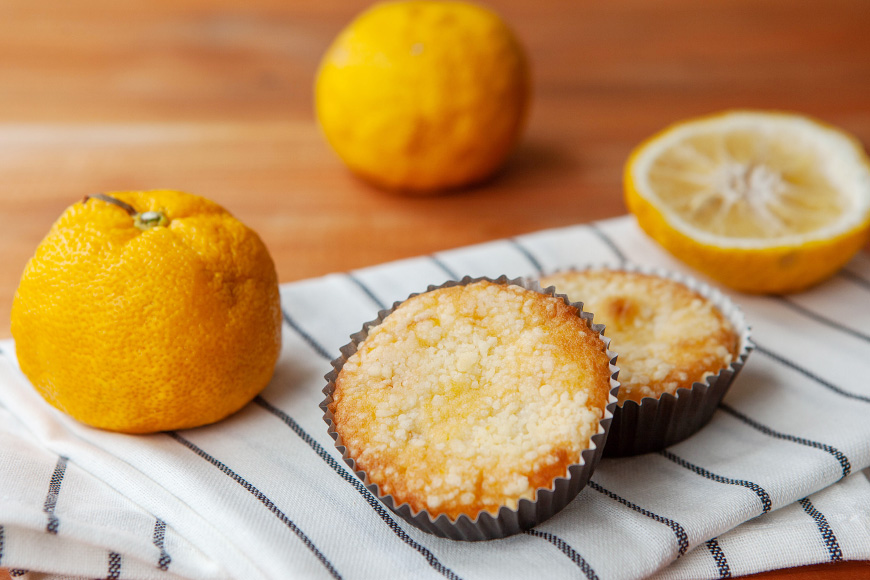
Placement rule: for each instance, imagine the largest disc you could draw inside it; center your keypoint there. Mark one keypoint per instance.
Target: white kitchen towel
(264, 494)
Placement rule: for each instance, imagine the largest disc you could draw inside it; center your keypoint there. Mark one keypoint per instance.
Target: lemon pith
(762, 202)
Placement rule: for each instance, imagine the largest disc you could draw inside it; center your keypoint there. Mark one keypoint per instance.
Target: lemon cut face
(763, 202)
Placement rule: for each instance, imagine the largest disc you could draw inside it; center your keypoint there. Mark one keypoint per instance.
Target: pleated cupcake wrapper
(507, 522)
(657, 423)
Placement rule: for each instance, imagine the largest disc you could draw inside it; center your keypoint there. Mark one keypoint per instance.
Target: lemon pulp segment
(755, 178)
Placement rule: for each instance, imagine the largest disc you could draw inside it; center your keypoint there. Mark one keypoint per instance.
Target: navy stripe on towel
(367, 291)
(785, 362)
(158, 540)
(2, 541)
(839, 455)
(759, 491)
(530, 258)
(679, 530)
(567, 550)
(53, 492)
(373, 502)
(114, 566)
(855, 278)
(263, 499)
(719, 556)
(824, 320)
(305, 336)
(444, 267)
(828, 537)
(608, 241)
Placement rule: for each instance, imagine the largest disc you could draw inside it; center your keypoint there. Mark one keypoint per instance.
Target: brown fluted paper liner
(487, 526)
(656, 423)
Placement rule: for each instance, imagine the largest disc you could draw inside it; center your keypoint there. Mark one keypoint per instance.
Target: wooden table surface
(215, 97)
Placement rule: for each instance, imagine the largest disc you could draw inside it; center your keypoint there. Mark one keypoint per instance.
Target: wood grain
(215, 97)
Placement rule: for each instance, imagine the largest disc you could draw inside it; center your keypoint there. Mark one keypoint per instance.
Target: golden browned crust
(666, 335)
(471, 397)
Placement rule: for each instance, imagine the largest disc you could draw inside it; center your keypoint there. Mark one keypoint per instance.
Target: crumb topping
(472, 397)
(666, 336)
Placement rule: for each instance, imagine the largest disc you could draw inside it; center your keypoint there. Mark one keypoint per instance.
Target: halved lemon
(762, 202)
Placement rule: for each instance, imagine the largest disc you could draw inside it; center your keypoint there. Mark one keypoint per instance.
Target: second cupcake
(680, 344)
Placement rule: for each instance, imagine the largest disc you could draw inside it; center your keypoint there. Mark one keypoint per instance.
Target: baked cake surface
(666, 335)
(468, 398)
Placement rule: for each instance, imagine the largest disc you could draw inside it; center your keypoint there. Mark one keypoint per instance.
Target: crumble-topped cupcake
(667, 335)
(469, 398)
(679, 349)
